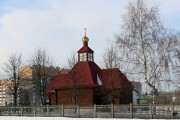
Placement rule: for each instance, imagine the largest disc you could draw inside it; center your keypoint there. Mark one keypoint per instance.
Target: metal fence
(96, 111)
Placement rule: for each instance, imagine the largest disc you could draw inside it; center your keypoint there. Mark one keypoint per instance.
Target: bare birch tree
(144, 45)
(176, 60)
(12, 69)
(42, 71)
(110, 61)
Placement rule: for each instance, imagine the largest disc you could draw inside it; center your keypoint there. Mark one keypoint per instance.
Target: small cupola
(85, 53)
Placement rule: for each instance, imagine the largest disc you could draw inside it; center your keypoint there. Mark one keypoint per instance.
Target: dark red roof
(115, 77)
(84, 74)
(85, 49)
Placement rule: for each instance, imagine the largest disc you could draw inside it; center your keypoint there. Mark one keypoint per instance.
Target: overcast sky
(58, 25)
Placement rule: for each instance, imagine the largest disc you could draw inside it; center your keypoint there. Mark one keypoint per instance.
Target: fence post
(112, 111)
(21, 110)
(78, 110)
(0, 111)
(62, 110)
(95, 111)
(48, 114)
(34, 110)
(9, 110)
(172, 110)
(131, 110)
(151, 111)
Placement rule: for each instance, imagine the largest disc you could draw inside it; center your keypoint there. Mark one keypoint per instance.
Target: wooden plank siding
(84, 96)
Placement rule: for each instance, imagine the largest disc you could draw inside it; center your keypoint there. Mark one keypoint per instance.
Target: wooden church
(87, 84)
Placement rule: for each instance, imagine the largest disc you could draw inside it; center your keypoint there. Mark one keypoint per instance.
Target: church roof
(85, 49)
(115, 77)
(84, 74)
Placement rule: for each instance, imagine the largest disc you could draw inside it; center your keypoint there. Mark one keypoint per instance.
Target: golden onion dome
(85, 39)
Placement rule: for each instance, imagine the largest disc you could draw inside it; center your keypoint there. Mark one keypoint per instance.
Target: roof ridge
(85, 49)
(90, 71)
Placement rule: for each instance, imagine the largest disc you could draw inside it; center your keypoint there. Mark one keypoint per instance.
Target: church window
(83, 57)
(90, 57)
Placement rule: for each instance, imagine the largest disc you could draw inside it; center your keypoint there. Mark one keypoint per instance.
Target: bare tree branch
(110, 61)
(12, 69)
(145, 45)
(42, 70)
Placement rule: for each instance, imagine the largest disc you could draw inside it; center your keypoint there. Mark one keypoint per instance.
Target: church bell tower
(85, 54)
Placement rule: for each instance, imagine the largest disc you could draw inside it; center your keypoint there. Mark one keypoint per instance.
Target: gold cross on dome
(85, 31)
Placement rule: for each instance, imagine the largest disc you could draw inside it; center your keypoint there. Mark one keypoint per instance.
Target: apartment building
(30, 84)
(6, 97)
